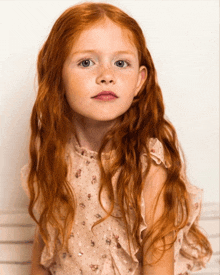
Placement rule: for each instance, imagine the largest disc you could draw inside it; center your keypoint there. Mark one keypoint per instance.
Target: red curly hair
(51, 128)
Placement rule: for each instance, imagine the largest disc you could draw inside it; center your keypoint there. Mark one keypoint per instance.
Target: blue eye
(85, 62)
(122, 62)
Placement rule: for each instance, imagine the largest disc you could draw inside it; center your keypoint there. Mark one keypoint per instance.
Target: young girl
(106, 178)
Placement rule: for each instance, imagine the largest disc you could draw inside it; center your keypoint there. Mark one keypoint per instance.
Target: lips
(109, 93)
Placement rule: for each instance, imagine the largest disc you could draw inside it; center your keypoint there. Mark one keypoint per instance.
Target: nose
(105, 75)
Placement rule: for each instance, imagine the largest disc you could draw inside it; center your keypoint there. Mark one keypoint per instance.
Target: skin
(102, 70)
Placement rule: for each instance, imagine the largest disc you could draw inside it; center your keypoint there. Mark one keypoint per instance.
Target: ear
(142, 76)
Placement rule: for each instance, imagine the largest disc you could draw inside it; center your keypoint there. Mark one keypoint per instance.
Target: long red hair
(51, 128)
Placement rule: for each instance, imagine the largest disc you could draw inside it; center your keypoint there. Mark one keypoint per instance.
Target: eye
(85, 63)
(122, 62)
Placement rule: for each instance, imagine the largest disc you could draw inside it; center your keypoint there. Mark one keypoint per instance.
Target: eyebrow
(92, 51)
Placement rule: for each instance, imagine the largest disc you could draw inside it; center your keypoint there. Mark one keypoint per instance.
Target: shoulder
(159, 163)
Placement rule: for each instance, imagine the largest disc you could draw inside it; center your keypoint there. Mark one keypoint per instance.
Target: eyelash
(80, 62)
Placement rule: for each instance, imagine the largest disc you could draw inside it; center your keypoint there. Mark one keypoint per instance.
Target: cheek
(70, 85)
(129, 77)
(69, 80)
(78, 82)
(66, 80)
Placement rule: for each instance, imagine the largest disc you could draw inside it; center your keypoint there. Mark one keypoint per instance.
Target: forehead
(105, 36)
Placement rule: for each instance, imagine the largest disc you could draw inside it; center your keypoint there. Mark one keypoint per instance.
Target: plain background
(183, 39)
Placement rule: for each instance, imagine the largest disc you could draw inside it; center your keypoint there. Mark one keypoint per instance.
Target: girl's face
(102, 59)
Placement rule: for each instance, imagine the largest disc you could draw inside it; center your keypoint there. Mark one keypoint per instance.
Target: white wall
(182, 37)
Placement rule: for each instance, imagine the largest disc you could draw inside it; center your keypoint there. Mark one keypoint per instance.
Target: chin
(106, 119)
(109, 117)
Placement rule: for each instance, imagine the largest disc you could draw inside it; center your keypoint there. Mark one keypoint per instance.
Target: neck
(89, 133)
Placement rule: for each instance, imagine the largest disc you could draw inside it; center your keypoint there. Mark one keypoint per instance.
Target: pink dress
(105, 251)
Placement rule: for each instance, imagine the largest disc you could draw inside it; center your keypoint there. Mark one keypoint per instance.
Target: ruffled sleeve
(181, 263)
(157, 152)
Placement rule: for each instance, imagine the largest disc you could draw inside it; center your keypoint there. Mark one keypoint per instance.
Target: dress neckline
(82, 151)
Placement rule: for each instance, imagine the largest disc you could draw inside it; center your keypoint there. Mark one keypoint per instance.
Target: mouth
(105, 93)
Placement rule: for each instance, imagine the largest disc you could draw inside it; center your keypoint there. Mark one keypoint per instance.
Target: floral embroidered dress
(105, 250)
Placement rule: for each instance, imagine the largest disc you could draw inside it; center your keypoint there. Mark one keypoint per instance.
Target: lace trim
(82, 151)
(155, 147)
